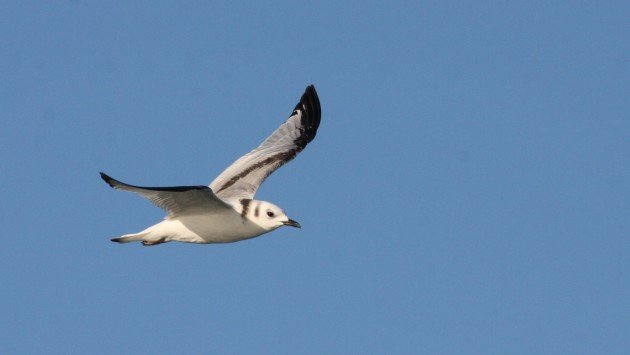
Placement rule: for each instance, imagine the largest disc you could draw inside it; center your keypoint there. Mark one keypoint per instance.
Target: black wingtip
(107, 179)
(115, 240)
(309, 103)
(310, 99)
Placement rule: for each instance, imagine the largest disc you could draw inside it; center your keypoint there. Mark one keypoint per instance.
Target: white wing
(177, 200)
(242, 179)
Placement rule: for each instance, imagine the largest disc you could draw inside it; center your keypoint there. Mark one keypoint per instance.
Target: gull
(225, 211)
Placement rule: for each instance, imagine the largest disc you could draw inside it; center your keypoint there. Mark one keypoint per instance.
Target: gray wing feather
(175, 200)
(242, 178)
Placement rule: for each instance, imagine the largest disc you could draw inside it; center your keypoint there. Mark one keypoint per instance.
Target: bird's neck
(248, 208)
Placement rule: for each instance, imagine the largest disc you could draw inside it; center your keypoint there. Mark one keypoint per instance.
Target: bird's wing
(242, 179)
(177, 200)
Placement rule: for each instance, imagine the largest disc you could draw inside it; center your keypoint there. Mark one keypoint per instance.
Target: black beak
(292, 223)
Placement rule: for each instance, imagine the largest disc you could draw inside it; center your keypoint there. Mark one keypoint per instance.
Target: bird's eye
(269, 213)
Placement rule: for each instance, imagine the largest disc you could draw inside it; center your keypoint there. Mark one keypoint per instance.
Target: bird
(225, 211)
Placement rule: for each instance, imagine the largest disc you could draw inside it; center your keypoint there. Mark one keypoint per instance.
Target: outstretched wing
(177, 200)
(242, 178)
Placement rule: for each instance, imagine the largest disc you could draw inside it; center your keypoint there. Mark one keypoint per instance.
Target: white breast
(209, 228)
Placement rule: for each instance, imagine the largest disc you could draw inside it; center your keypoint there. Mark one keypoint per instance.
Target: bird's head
(267, 215)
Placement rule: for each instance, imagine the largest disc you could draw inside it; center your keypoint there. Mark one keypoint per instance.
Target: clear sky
(468, 190)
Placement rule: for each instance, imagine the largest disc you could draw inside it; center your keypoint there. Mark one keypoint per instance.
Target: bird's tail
(128, 238)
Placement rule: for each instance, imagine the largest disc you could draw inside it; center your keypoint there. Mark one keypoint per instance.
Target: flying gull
(225, 211)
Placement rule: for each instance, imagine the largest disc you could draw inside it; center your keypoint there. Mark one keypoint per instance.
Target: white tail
(128, 238)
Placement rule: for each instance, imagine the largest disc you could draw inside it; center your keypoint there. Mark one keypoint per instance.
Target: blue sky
(467, 191)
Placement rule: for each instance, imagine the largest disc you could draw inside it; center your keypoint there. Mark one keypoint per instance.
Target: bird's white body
(221, 226)
(225, 211)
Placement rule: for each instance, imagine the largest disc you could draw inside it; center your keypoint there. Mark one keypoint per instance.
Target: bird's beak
(292, 223)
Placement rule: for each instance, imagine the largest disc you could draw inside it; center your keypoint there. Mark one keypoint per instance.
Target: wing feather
(175, 200)
(243, 178)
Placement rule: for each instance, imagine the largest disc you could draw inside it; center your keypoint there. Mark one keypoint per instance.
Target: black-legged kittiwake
(225, 211)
